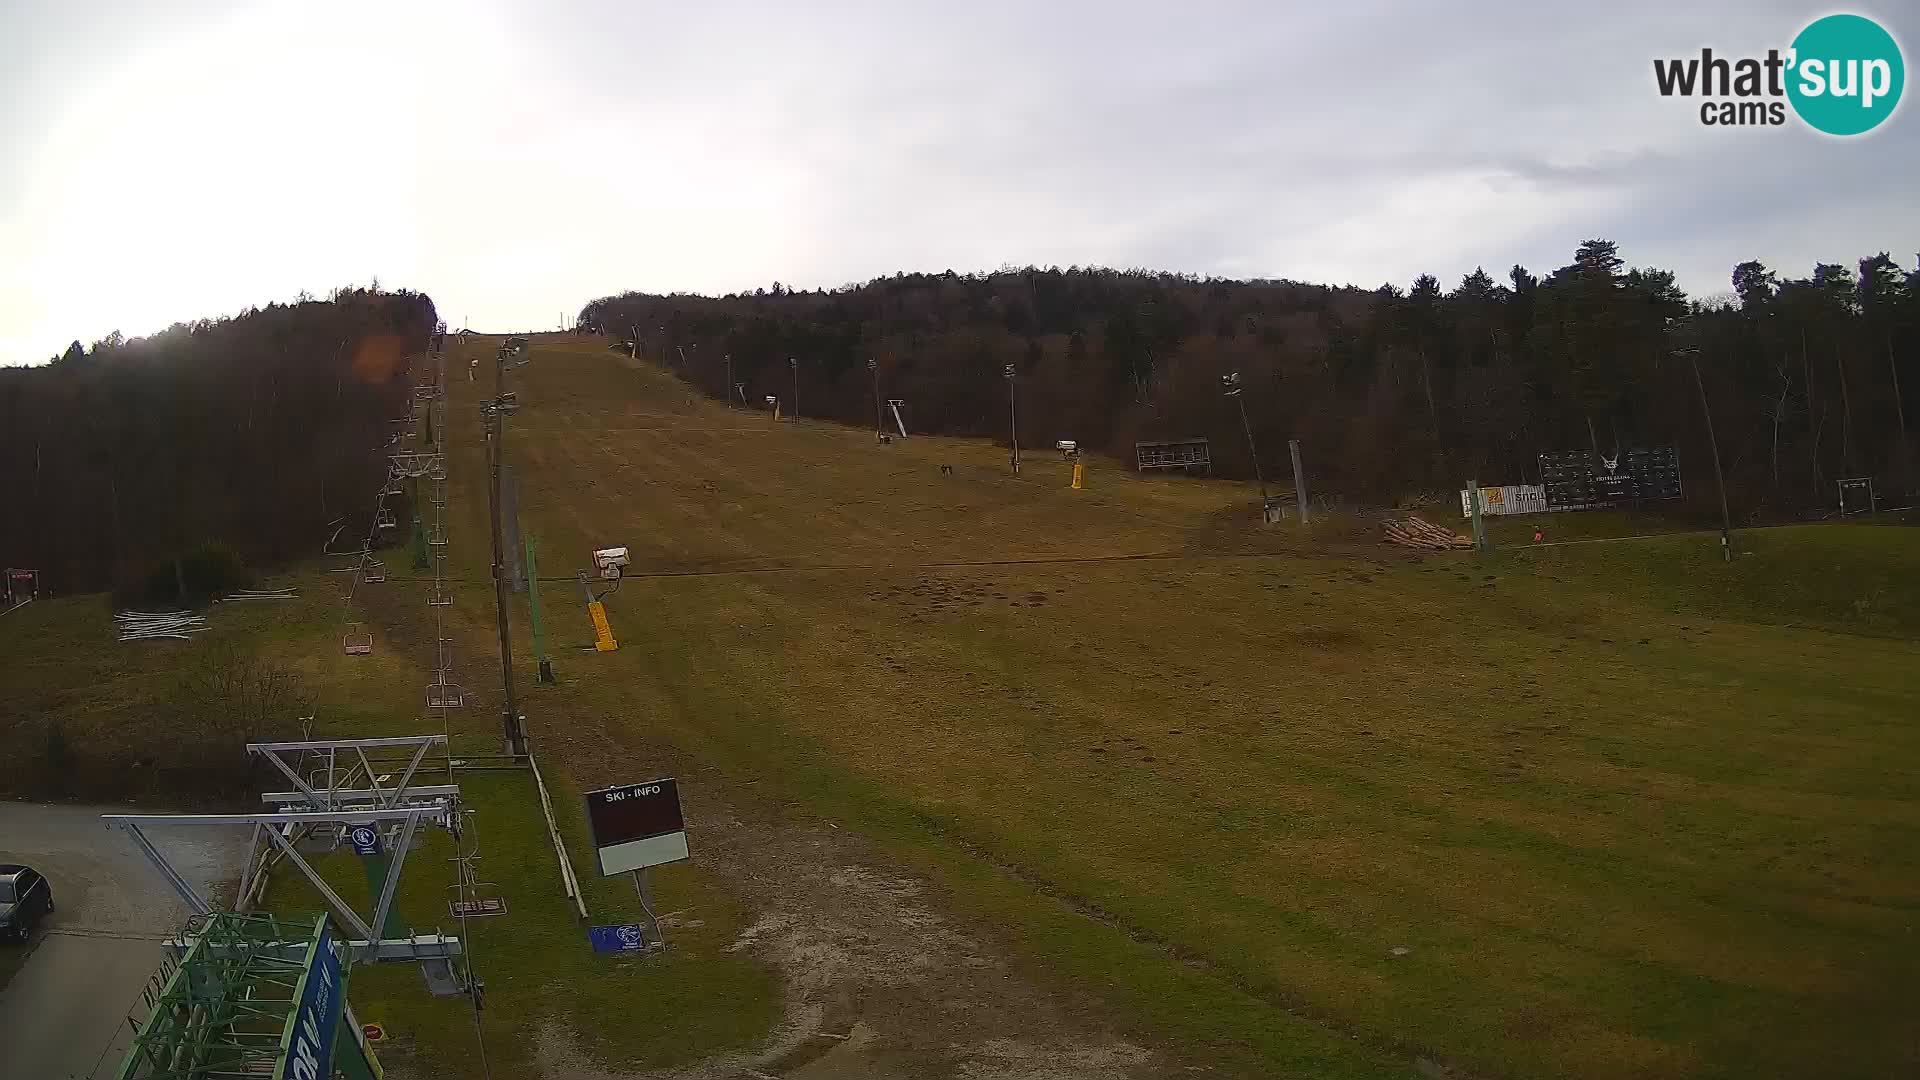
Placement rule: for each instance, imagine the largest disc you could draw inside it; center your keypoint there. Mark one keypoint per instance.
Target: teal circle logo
(1846, 75)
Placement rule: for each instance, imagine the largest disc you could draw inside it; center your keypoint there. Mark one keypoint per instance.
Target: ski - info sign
(636, 826)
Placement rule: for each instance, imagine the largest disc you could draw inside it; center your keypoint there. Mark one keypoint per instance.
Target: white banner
(1510, 499)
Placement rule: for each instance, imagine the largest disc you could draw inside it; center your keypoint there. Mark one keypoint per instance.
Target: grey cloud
(1247, 138)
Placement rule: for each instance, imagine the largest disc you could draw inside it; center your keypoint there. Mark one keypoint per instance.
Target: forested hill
(1393, 391)
(252, 432)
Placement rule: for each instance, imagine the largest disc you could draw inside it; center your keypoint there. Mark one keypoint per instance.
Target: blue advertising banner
(309, 1040)
(627, 937)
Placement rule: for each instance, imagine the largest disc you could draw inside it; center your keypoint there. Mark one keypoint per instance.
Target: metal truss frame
(279, 829)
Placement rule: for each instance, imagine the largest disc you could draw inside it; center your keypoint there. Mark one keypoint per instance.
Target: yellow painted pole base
(602, 633)
(1077, 474)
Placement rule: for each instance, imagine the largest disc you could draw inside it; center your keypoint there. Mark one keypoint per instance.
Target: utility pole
(1692, 353)
(795, 365)
(727, 390)
(1013, 420)
(874, 366)
(495, 412)
(1231, 383)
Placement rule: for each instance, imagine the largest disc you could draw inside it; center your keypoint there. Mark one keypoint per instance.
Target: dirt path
(880, 981)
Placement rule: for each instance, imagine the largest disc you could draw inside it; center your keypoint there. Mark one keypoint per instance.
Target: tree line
(1393, 392)
(254, 433)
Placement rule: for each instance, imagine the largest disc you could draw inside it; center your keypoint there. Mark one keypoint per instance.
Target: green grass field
(538, 970)
(540, 974)
(1290, 803)
(1599, 810)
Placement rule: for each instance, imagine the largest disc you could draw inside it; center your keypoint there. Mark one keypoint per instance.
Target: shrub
(191, 579)
(229, 698)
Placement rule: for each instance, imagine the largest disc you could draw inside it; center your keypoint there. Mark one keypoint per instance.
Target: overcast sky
(170, 160)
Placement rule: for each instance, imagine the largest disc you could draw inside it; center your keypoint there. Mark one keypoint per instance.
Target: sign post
(1480, 542)
(635, 826)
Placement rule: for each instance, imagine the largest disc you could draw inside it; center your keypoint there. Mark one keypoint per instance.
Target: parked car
(25, 899)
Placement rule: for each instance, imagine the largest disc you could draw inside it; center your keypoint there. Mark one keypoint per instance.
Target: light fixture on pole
(1230, 382)
(1013, 420)
(1692, 353)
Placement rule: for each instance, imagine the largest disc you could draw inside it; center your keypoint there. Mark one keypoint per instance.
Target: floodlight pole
(1692, 353)
(727, 390)
(1013, 421)
(1299, 478)
(495, 412)
(874, 366)
(794, 364)
(1232, 383)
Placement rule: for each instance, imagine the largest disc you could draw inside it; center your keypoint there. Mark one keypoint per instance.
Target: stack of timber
(1416, 532)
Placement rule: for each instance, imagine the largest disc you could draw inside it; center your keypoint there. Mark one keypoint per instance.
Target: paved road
(63, 1013)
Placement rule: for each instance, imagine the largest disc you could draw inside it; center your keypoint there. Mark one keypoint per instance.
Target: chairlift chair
(384, 519)
(318, 841)
(357, 641)
(442, 694)
(486, 900)
(372, 570)
(439, 597)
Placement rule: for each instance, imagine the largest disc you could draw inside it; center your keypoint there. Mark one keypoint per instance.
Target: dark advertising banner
(1582, 479)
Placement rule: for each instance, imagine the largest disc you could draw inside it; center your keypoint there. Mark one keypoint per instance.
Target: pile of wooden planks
(1416, 532)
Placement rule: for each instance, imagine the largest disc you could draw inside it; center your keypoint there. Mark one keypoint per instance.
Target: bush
(230, 698)
(191, 751)
(192, 579)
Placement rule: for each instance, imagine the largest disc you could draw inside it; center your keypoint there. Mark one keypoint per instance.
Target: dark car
(25, 898)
